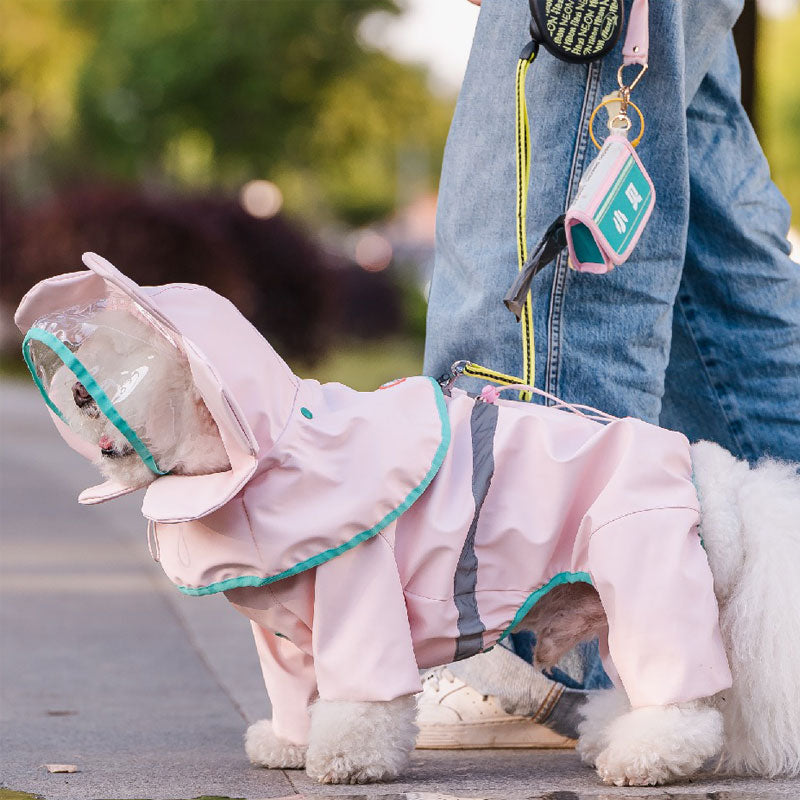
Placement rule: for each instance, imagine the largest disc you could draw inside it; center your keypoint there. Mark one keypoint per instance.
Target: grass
(366, 365)
(361, 365)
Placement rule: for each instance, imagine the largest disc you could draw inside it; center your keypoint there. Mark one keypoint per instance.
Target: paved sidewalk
(106, 666)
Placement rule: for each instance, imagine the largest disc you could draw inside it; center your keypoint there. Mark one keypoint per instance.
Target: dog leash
(491, 394)
(577, 36)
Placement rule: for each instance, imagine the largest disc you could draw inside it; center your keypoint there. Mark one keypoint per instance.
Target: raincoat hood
(272, 423)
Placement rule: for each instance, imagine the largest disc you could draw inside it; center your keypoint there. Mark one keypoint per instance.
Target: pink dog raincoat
(367, 535)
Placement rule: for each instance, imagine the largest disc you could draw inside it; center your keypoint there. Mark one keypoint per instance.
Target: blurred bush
(302, 298)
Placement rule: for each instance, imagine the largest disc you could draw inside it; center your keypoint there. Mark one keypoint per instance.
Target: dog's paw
(360, 742)
(655, 745)
(598, 712)
(345, 769)
(265, 749)
(589, 746)
(633, 769)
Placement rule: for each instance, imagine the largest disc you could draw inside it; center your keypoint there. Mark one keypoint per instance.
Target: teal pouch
(615, 199)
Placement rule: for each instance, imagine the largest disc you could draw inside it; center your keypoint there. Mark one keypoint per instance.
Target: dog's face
(149, 385)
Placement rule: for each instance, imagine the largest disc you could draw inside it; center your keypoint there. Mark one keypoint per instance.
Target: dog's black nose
(80, 395)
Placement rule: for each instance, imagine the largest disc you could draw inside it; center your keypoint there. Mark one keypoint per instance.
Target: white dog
(180, 429)
(750, 527)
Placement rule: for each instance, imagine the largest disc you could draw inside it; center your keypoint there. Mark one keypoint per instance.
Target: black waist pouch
(577, 30)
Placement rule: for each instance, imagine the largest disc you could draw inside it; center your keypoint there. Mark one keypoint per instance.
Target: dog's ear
(199, 450)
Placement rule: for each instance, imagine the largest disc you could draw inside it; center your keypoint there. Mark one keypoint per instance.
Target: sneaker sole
(513, 733)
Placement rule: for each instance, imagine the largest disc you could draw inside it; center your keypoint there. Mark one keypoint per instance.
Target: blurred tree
(778, 101)
(196, 93)
(277, 277)
(376, 124)
(40, 58)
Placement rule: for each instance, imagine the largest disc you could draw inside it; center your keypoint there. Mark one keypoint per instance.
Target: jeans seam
(561, 268)
(547, 706)
(735, 429)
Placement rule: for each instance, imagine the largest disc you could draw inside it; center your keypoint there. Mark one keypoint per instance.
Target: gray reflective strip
(483, 424)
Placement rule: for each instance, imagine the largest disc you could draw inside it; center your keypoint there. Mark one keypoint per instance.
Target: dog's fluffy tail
(751, 531)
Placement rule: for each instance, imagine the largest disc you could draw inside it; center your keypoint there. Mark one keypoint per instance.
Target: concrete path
(106, 666)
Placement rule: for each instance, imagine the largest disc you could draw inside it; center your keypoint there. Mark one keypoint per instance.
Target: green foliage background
(185, 95)
(778, 103)
(202, 93)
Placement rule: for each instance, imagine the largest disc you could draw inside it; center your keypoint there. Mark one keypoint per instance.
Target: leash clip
(452, 375)
(626, 88)
(622, 121)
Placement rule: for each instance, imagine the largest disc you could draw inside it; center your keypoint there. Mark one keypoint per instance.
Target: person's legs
(475, 240)
(734, 370)
(602, 340)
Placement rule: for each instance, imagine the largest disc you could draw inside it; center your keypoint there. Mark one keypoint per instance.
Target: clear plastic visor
(108, 370)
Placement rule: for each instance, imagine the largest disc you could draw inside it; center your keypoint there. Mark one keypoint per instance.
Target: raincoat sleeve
(361, 634)
(291, 684)
(654, 581)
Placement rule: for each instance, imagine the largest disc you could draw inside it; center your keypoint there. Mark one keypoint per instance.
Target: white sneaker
(451, 715)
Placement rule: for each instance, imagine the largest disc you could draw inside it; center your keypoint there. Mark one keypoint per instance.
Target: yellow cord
(477, 371)
(523, 181)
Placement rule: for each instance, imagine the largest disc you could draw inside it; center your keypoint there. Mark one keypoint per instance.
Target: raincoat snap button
(306, 413)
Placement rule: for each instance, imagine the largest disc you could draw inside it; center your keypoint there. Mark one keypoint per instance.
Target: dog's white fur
(358, 742)
(755, 560)
(751, 530)
(128, 344)
(264, 748)
(653, 745)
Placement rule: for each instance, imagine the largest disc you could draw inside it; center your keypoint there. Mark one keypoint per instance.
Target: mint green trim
(614, 190)
(631, 173)
(534, 597)
(327, 555)
(26, 354)
(91, 385)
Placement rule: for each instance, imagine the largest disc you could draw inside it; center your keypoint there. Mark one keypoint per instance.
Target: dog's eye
(80, 395)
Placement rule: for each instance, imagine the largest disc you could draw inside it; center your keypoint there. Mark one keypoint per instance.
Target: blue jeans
(700, 329)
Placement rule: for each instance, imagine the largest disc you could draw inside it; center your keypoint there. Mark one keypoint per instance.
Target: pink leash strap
(637, 37)
(491, 394)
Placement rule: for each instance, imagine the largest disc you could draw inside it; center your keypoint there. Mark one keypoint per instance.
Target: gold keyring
(636, 141)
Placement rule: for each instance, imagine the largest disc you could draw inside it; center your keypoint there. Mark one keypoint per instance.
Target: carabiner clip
(628, 88)
(449, 378)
